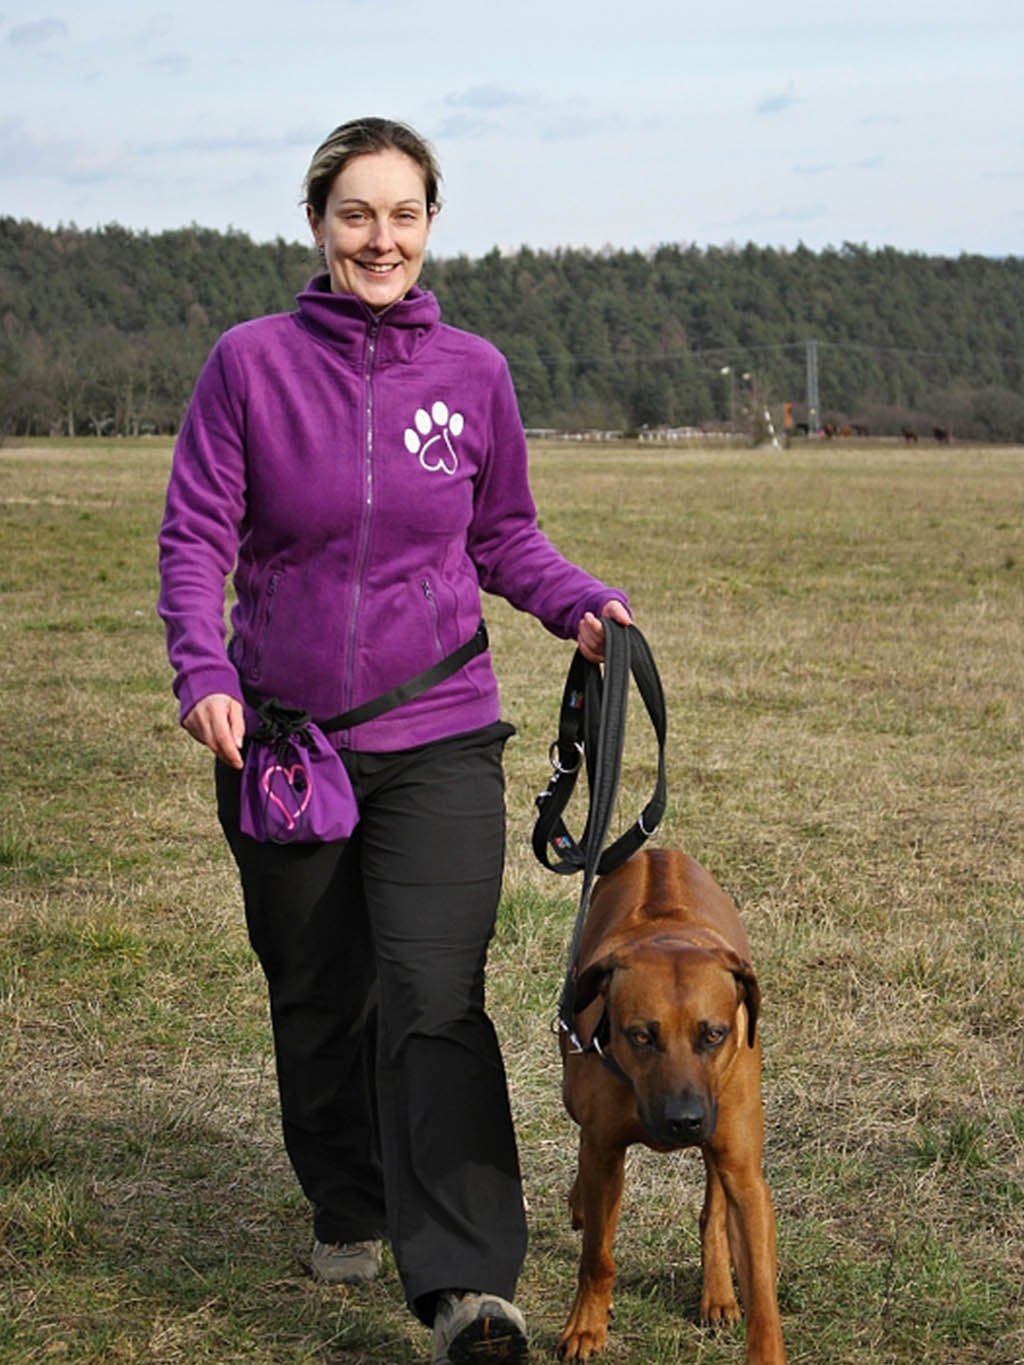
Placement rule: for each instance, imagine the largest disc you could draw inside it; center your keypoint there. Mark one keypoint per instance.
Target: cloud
(814, 168)
(808, 214)
(777, 104)
(232, 142)
(575, 120)
(20, 153)
(460, 127)
(37, 32)
(25, 155)
(868, 163)
(571, 127)
(156, 27)
(485, 97)
(171, 64)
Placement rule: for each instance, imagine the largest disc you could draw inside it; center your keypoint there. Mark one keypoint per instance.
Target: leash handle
(579, 740)
(592, 727)
(603, 767)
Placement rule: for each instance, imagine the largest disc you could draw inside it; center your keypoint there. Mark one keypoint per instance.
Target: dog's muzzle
(681, 1120)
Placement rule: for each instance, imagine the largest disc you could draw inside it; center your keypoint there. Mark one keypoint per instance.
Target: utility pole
(812, 387)
(727, 369)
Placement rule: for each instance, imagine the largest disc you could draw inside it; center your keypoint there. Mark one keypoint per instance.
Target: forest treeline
(103, 331)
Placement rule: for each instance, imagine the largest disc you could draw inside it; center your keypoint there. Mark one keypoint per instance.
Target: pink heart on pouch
(294, 800)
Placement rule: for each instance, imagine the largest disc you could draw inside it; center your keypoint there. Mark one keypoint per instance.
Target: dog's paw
(585, 1333)
(580, 1346)
(719, 1311)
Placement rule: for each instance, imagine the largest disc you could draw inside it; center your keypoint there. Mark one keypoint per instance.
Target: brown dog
(667, 996)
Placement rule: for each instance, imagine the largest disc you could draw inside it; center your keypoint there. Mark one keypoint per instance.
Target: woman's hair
(358, 137)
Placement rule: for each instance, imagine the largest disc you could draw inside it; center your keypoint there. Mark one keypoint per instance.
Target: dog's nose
(685, 1118)
(685, 1127)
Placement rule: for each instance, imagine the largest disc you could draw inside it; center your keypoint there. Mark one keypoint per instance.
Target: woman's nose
(381, 238)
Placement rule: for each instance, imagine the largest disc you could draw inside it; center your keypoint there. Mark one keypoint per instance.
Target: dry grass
(840, 637)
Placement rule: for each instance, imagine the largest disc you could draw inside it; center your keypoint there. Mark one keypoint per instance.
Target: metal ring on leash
(555, 761)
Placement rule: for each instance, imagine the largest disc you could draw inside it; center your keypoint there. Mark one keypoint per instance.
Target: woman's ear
(314, 224)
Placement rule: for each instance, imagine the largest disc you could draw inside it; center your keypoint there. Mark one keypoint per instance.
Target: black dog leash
(591, 730)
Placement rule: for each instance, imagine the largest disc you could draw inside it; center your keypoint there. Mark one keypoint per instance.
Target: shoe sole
(365, 1276)
(344, 1279)
(489, 1338)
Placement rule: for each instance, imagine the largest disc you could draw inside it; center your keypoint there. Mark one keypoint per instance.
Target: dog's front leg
(595, 1200)
(718, 1306)
(734, 1153)
(750, 1219)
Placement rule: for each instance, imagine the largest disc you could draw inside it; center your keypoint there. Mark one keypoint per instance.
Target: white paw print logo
(430, 437)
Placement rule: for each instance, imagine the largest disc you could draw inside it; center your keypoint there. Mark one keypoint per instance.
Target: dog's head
(677, 1017)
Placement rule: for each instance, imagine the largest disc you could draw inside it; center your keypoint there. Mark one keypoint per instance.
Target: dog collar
(596, 1047)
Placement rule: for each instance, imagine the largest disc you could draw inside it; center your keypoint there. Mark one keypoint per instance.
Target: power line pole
(812, 387)
(727, 369)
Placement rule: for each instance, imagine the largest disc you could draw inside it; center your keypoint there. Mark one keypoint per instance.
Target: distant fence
(660, 435)
(557, 434)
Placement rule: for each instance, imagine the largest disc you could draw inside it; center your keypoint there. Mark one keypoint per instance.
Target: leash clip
(556, 762)
(575, 1046)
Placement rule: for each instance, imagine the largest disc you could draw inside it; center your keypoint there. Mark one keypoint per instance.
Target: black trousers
(393, 1095)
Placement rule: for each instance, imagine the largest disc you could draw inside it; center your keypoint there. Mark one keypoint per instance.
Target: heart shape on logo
(293, 790)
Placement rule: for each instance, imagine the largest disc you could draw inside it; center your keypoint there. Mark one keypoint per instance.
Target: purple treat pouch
(295, 788)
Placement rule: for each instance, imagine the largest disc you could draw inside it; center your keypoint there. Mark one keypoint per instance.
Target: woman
(362, 468)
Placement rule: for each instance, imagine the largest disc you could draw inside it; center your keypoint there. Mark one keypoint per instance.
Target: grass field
(841, 637)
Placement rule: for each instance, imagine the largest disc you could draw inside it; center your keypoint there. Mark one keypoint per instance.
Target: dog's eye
(713, 1035)
(639, 1037)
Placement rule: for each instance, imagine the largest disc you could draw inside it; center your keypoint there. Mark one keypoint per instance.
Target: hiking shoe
(470, 1327)
(345, 1262)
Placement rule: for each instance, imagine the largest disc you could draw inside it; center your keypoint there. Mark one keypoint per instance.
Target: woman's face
(375, 227)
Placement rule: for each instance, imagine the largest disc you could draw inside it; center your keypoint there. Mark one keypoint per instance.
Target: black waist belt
(387, 701)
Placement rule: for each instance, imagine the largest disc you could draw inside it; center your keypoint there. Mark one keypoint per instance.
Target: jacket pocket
(434, 610)
(262, 624)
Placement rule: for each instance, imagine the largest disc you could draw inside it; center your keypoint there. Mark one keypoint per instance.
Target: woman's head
(371, 196)
(360, 137)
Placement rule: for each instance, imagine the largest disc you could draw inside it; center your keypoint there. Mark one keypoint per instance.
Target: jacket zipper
(364, 530)
(428, 593)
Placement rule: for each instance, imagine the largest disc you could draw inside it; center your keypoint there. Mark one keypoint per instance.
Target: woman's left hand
(590, 636)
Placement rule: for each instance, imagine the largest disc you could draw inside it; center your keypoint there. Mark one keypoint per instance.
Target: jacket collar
(346, 324)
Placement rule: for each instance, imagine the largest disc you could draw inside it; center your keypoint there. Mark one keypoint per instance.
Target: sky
(558, 123)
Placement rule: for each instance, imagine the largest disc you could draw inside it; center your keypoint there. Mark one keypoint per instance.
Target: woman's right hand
(218, 722)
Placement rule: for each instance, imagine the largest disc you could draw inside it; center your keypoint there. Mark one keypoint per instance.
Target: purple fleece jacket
(364, 475)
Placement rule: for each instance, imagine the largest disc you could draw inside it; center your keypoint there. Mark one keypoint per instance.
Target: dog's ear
(747, 981)
(750, 991)
(592, 982)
